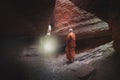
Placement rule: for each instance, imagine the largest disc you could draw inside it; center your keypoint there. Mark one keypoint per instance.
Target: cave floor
(100, 63)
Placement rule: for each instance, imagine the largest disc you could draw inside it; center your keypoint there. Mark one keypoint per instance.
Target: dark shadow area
(90, 43)
(108, 68)
(101, 8)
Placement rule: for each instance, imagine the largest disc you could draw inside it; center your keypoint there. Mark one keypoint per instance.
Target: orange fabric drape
(70, 46)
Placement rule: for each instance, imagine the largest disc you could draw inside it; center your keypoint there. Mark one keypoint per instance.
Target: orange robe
(70, 46)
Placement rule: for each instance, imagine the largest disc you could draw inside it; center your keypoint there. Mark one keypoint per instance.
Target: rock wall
(109, 11)
(86, 25)
(32, 18)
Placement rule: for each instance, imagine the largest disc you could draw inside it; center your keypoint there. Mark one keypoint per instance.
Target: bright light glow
(49, 27)
(48, 45)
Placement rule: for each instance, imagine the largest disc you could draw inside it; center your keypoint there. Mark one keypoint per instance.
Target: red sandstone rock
(85, 24)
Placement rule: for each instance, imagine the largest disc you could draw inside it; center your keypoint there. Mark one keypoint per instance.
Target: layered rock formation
(109, 11)
(32, 18)
(85, 24)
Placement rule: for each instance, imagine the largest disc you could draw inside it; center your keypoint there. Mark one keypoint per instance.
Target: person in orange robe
(70, 46)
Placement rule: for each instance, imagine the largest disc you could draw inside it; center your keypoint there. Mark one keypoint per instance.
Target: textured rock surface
(82, 69)
(31, 18)
(37, 67)
(109, 11)
(85, 24)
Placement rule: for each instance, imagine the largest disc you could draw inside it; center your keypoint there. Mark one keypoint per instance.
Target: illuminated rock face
(26, 18)
(85, 24)
(109, 11)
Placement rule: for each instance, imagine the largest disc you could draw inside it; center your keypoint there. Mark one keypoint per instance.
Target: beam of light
(48, 45)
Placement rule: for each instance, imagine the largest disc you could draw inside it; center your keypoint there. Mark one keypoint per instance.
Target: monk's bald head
(70, 30)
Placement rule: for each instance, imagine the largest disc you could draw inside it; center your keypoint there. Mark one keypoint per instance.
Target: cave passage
(24, 22)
